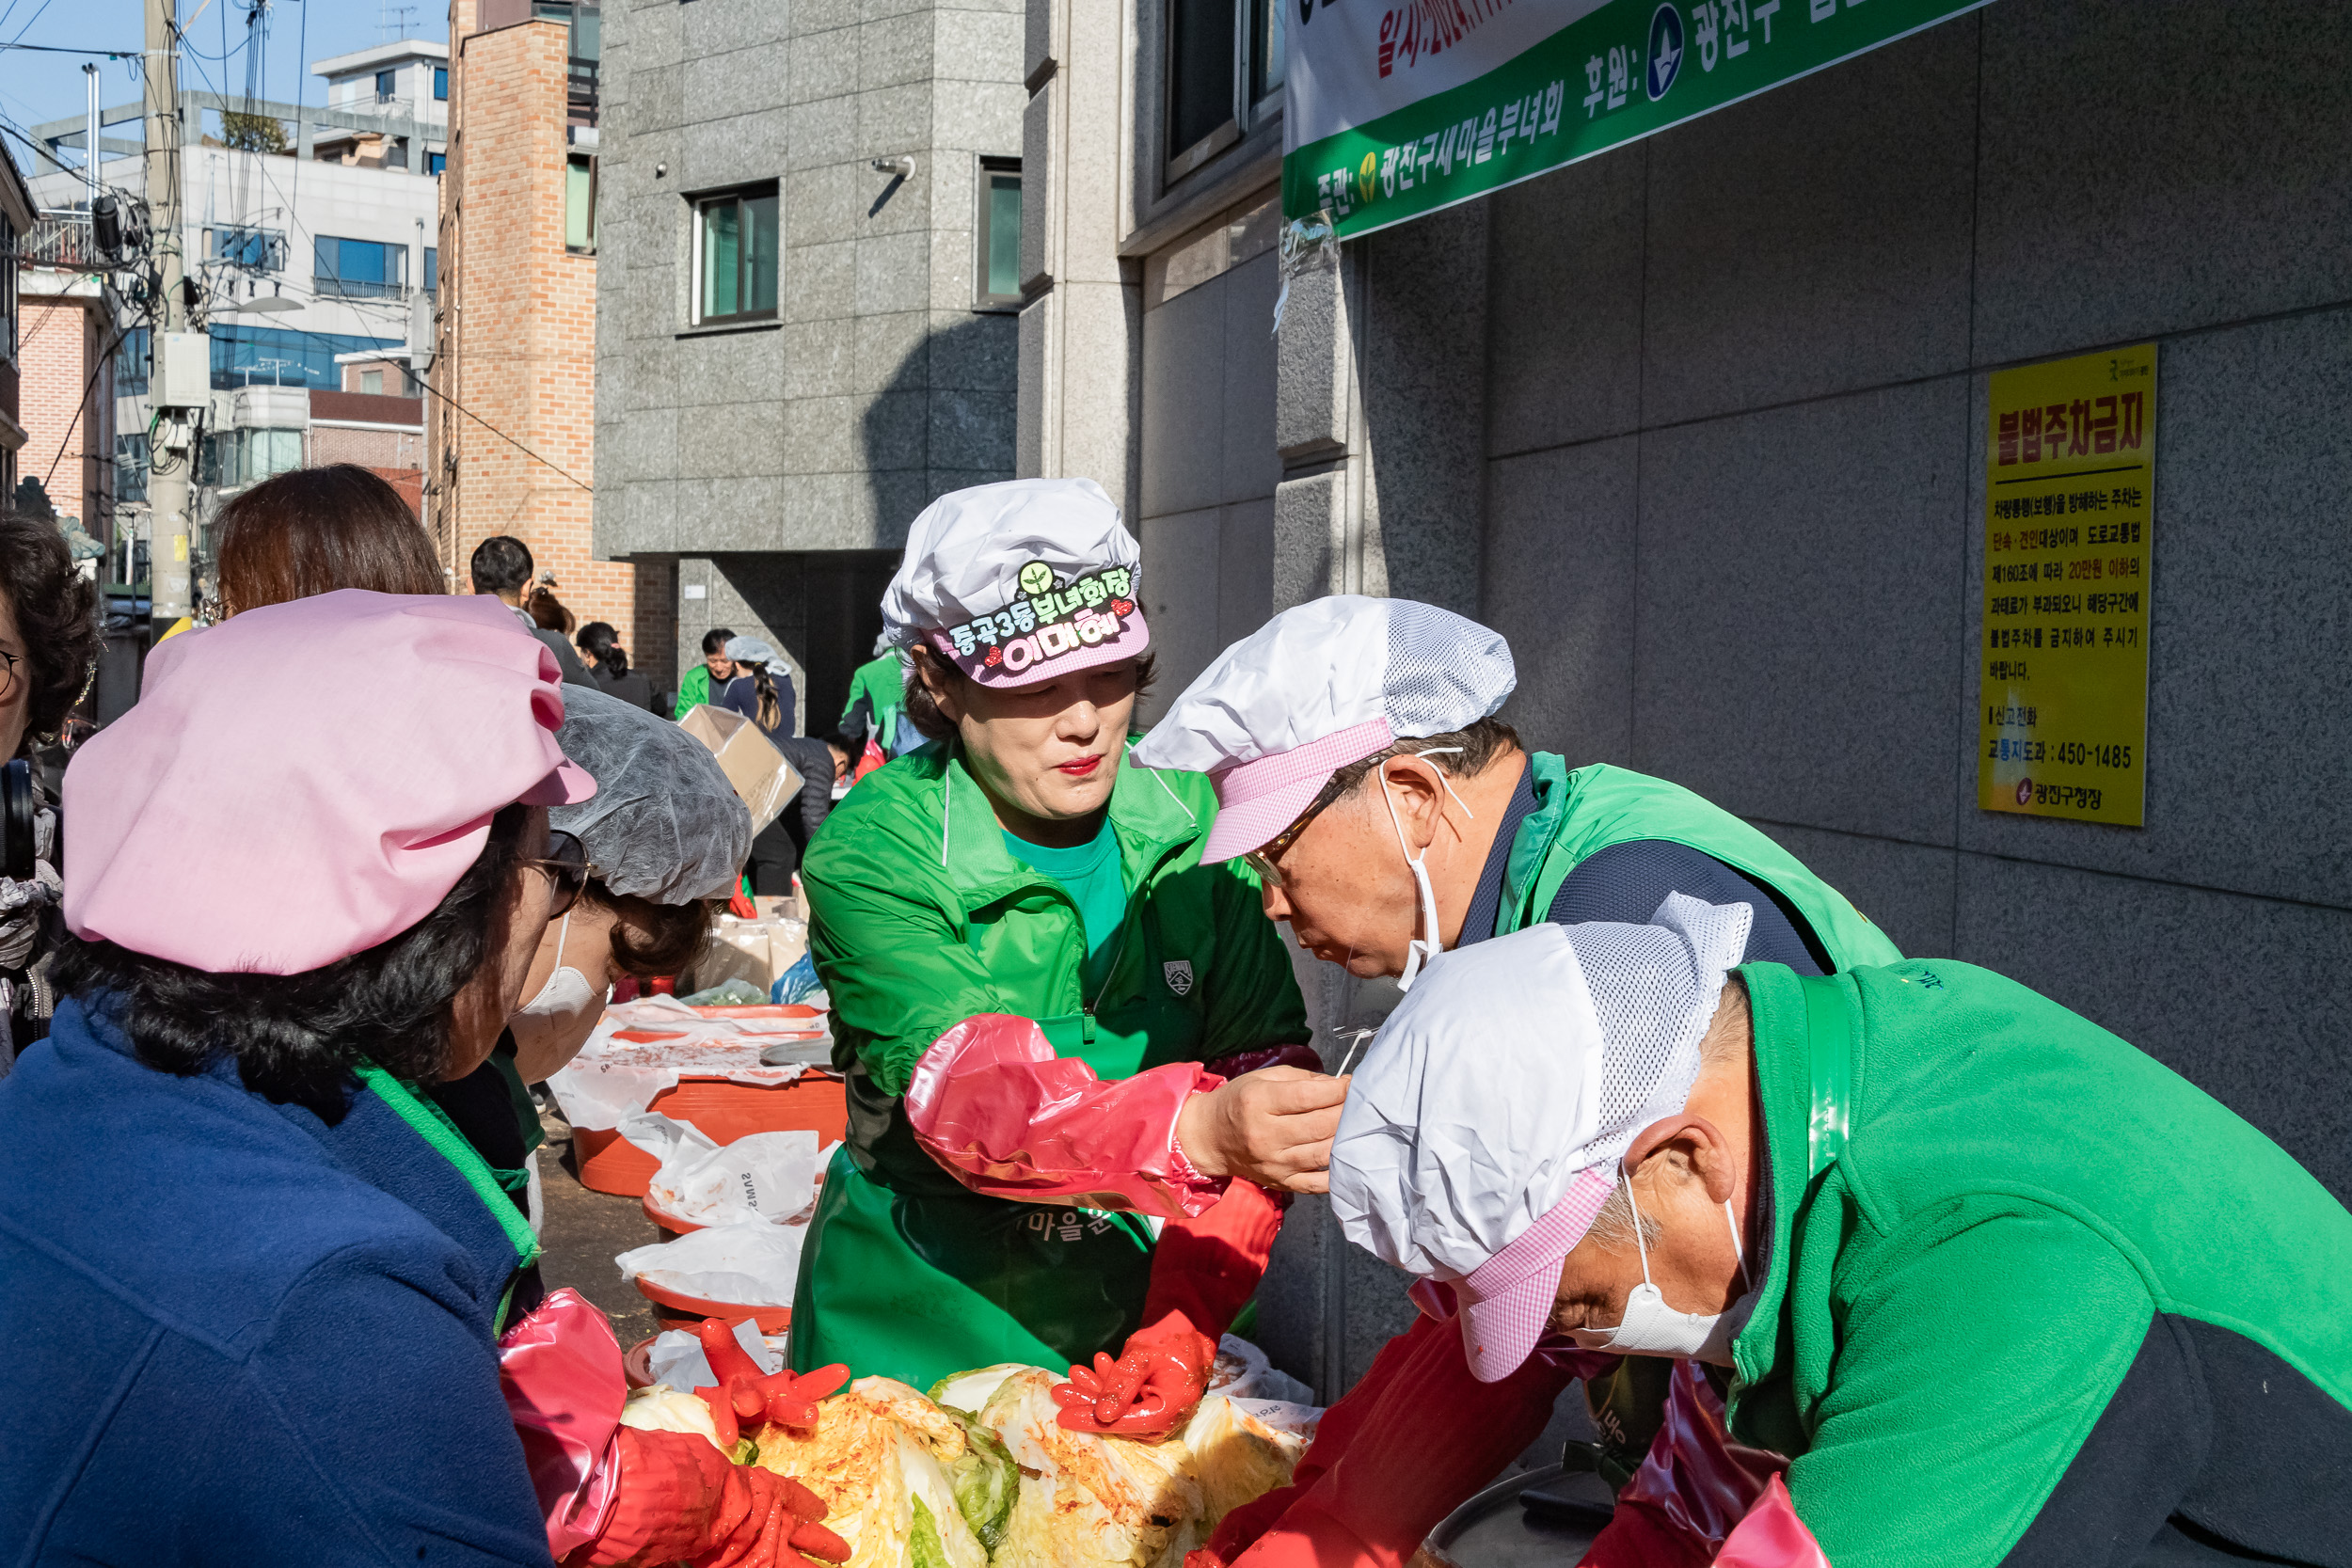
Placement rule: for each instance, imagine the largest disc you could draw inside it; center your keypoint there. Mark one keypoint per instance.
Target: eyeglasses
(1261, 858)
(566, 865)
(9, 662)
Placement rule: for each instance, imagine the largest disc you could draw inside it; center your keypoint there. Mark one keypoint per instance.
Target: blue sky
(35, 87)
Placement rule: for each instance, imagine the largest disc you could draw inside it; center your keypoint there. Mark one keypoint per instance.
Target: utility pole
(167, 486)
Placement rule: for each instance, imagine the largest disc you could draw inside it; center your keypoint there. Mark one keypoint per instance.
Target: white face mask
(1651, 1328)
(565, 1010)
(1432, 943)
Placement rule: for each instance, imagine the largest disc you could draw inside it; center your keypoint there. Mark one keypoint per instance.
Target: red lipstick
(1078, 767)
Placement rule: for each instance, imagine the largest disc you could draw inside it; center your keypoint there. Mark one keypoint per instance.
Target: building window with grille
(996, 234)
(735, 256)
(360, 269)
(253, 249)
(580, 205)
(1225, 63)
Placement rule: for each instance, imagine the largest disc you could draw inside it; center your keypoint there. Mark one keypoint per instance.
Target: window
(579, 204)
(372, 383)
(131, 467)
(254, 249)
(360, 269)
(735, 256)
(131, 363)
(268, 356)
(440, 87)
(240, 457)
(996, 237)
(433, 163)
(432, 270)
(1226, 62)
(384, 83)
(585, 19)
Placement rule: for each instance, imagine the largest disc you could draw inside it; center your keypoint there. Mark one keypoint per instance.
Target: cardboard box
(755, 768)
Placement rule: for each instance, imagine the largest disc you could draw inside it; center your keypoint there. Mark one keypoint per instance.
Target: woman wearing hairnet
(1030, 967)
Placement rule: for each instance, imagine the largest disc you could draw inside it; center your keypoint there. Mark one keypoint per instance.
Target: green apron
(920, 1276)
(428, 1122)
(1580, 814)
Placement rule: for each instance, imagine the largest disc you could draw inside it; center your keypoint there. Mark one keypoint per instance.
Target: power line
(62, 49)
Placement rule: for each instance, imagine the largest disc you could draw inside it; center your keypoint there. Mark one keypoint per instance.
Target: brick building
(510, 440)
(16, 220)
(67, 337)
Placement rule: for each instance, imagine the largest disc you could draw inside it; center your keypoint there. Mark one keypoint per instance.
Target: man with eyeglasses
(1390, 815)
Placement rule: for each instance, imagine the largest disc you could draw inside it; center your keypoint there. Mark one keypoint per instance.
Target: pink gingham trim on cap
(1257, 800)
(1507, 1301)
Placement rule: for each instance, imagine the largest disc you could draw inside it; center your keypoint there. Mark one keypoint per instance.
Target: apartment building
(511, 432)
(16, 224)
(807, 250)
(1700, 423)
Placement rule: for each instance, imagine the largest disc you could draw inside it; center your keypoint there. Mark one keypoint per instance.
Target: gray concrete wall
(878, 385)
(1698, 424)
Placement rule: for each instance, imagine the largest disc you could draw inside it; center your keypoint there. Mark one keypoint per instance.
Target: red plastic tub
(816, 1101)
(674, 1310)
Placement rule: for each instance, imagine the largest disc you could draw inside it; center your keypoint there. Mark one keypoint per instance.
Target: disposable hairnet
(1515, 1066)
(664, 823)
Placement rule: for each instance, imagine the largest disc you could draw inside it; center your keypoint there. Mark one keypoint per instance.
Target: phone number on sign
(2067, 753)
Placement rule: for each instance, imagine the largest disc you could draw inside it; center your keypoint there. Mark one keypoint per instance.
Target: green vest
(919, 918)
(1979, 1203)
(693, 690)
(1580, 814)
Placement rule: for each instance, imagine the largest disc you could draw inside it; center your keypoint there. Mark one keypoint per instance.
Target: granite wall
(881, 384)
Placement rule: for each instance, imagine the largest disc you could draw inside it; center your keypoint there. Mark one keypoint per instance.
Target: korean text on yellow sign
(2069, 513)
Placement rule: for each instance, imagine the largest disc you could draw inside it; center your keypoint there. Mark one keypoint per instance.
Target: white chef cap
(1320, 686)
(1482, 1131)
(1019, 583)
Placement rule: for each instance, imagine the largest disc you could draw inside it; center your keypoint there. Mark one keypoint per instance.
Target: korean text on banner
(2070, 497)
(1400, 107)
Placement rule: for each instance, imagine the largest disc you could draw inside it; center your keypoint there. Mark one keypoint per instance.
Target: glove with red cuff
(745, 1393)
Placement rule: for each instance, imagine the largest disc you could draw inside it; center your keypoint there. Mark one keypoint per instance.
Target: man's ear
(1704, 1150)
(935, 682)
(1412, 787)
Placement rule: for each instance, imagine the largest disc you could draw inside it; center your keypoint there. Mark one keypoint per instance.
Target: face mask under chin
(1650, 1327)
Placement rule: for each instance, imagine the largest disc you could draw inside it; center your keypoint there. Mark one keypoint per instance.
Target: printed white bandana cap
(1481, 1132)
(1019, 583)
(1320, 686)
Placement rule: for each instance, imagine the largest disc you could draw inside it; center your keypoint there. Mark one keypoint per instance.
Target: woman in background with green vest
(1360, 769)
(1028, 965)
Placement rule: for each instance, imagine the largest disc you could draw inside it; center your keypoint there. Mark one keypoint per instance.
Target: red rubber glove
(1150, 1390)
(1409, 1444)
(744, 1393)
(680, 1500)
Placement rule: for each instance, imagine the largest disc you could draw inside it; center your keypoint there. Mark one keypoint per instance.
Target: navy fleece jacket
(232, 1333)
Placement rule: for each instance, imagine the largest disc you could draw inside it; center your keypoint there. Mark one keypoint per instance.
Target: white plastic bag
(676, 1357)
(765, 1176)
(751, 1264)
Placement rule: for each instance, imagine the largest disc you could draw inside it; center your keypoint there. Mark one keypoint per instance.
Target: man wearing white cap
(2004, 1289)
(1044, 1003)
(1360, 770)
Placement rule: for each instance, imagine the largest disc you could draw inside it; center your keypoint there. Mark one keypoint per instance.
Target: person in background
(502, 567)
(845, 753)
(694, 689)
(550, 612)
(877, 710)
(316, 529)
(49, 644)
(780, 848)
(601, 650)
(658, 847)
(760, 686)
(273, 1255)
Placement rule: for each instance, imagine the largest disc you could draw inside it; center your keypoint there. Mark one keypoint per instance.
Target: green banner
(1625, 70)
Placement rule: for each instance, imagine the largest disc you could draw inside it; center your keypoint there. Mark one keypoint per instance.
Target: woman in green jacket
(1028, 963)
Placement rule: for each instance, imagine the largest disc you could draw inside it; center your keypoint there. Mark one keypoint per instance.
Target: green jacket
(919, 918)
(882, 683)
(1983, 1210)
(693, 690)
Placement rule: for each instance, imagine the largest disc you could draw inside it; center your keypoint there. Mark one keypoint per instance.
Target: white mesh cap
(1318, 686)
(1513, 1066)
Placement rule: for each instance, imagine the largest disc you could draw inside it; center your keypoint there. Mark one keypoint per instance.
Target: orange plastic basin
(674, 1310)
(815, 1101)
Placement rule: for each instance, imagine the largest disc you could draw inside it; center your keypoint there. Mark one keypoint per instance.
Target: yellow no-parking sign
(2069, 521)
